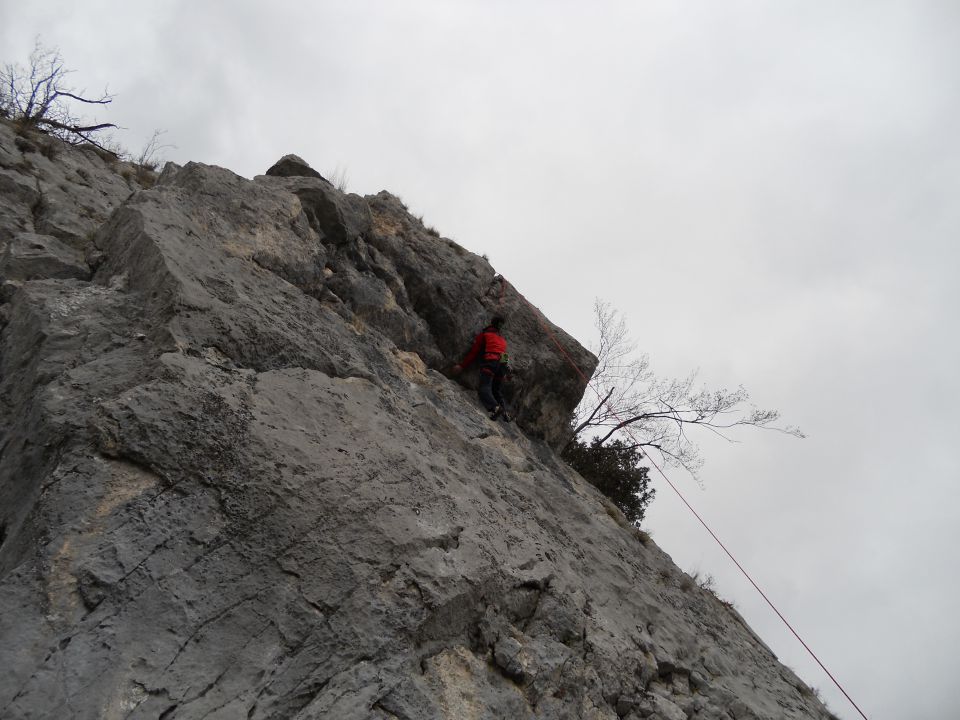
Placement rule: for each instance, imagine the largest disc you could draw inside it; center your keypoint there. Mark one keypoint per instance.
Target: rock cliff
(235, 481)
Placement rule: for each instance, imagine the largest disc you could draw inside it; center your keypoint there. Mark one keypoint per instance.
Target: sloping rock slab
(29, 256)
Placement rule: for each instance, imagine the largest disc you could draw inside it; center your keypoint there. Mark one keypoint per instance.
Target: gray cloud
(767, 190)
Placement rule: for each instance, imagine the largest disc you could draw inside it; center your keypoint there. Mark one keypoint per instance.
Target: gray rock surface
(293, 166)
(235, 482)
(28, 256)
(49, 188)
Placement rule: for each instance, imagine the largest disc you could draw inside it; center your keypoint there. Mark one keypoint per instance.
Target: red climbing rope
(626, 428)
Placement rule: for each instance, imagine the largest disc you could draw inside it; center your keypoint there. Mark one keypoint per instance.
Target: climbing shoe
(500, 413)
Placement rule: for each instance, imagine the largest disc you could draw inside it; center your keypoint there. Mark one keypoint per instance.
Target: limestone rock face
(235, 482)
(49, 188)
(28, 256)
(293, 166)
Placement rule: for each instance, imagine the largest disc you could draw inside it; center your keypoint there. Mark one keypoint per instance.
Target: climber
(491, 349)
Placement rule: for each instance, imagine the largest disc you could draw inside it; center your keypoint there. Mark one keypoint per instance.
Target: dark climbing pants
(491, 378)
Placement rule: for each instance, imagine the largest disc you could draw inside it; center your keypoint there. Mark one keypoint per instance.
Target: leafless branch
(657, 413)
(104, 100)
(37, 98)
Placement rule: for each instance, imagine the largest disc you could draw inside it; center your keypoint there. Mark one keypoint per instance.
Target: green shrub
(614, 469)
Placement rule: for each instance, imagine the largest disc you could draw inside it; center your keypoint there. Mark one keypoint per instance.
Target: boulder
(338, 217)
(292, 166)
(29, 256)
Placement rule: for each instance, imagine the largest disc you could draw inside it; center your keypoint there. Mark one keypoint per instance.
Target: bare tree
(151, 155)
(626, 398)
(38, 98)
(339, 178)
(149, 158)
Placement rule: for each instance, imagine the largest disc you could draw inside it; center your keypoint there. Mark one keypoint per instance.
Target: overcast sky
(767, 190)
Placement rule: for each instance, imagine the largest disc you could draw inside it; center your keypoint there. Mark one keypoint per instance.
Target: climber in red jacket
(491, 350)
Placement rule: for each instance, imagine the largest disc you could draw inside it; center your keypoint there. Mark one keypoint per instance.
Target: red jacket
(489, 345)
